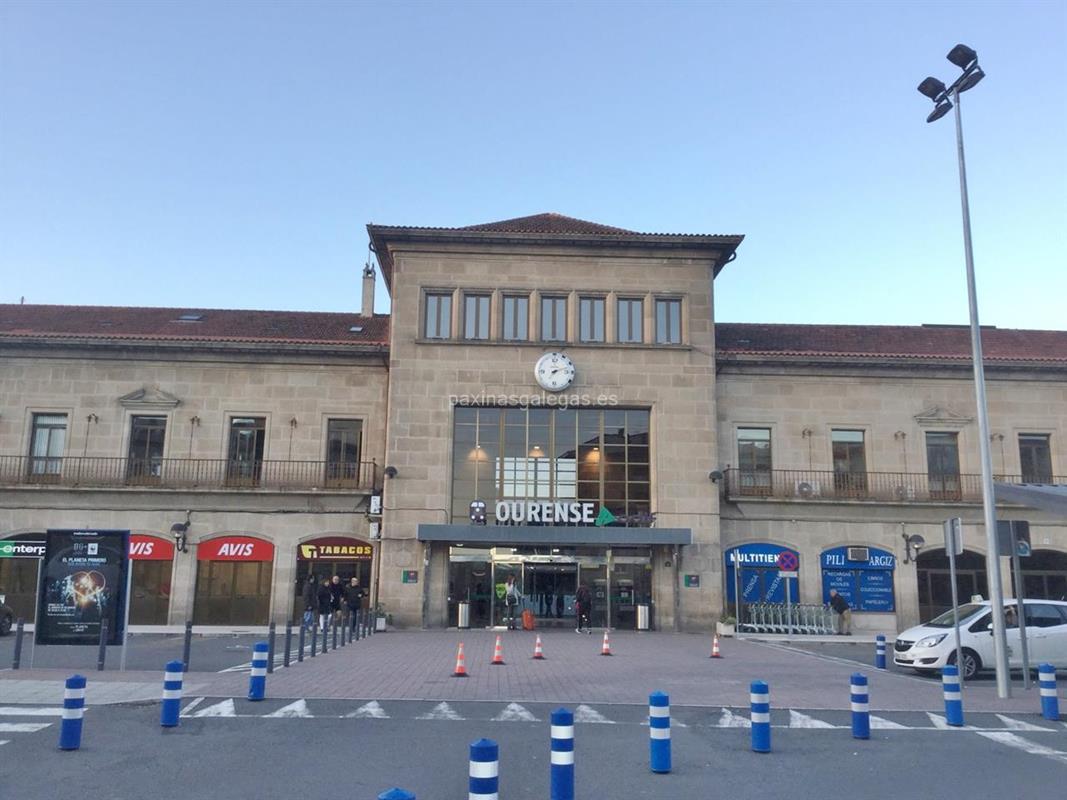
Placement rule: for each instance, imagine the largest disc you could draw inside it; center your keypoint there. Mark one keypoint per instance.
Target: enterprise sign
(560, 513)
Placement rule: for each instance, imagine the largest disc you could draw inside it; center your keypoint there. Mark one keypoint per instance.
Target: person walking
(353, 599)
(337, 597)
(311, 601)
(844, 614)
(511, 601)
(325, 604)
(583, 606)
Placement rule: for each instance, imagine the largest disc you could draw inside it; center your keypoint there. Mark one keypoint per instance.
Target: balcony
(188, 474)
(871, 487)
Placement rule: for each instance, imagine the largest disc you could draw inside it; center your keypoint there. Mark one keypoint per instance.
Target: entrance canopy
(1043, 496)
(553, 534)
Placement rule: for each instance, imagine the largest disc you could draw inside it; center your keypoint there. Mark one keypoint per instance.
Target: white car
(931, 646)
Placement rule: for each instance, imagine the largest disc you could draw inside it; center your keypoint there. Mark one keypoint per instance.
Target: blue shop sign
(758, 577)
(865, 585)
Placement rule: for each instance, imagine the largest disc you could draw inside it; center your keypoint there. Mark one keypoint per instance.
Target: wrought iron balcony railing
(187, 473)
(881, 487)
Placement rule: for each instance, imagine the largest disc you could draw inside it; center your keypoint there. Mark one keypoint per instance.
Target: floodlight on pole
(967, 60)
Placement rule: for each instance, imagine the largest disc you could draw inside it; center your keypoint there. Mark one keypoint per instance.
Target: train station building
(548, 398)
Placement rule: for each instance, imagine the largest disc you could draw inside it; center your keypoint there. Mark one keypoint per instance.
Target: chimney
(368, 291)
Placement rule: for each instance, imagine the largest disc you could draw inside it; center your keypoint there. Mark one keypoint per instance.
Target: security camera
(715, 476)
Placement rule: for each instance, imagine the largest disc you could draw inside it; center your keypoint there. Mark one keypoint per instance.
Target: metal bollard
(879, 651)
(257, 682)
(300, 643)
(562, 762)
(271, 633)
(70, 730)
(484, 770)
(172, 694)
(1046, 681)
(314, 636)
(188, 646)
(101, 655)
(659, 732)
(861, 707)
(17, 660)
(288, 643)
(344, 628)
(950, 682)
(396, 794)
(760, 700)
(334, 626)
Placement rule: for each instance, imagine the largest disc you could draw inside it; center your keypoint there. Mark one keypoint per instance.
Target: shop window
(47, 442)
(752, 571)
(1035, 455)
(754, 460)
(476, 316)
(630, 320)
(862, 575)
(247, 438)
(343, 440)
(943, 465)
(438, 321)
(554, 319)
(850, 462)
(145, 456)
(516, 318)
(591, 319)
(668, 322)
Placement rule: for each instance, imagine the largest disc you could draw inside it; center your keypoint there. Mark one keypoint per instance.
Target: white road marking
(441, 711)
(798, 720)
(584, 713)
(191, 706)
(940, 723)
(22, 727)
(1019, 725)
(1018, 742)
(30, 711)
(515, 713)
(4, 741)
(297, 709)
(371, 710)
(731, 720)
(877, 723)
(223, 709)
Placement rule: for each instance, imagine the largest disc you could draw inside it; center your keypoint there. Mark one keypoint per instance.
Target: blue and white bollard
(1046, 681)
(172, 694)
(659, 732)
(484, 770)
(861, 707)
(879, 651)
(562, 787)
(70, 730)
(257, 683)
(760, 699)
(396, 794)
(950, 682)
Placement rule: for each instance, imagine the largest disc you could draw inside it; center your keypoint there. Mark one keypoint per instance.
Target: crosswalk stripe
(30, 711)
(515, 713)
(223, 709)
(1019, 725)
(877, 723)
(441, 711)
(371, 710)
(731, 720)
(798, 720)
(1018, 742)
(22, 727)
(297, 709)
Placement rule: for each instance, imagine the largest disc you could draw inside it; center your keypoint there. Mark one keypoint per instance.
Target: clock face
(554, 372)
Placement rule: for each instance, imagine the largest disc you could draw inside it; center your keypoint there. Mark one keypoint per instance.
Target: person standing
(511, 601)
(844, 614)
(311, 601)
(583, 607)
(354, 600)
(325, 604)
(337, 596)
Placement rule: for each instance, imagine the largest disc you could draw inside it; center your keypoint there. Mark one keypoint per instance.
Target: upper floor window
(343, 440)
(668, 322)
(754, 459)
(247, 437)
(476, 316)
(943, 464)
(554, 319)
(438, 323)
(591, 319)
(1035, 455)
(850, 461)
(631, 316)
(147, 435)
(516, 318)
(47, 442)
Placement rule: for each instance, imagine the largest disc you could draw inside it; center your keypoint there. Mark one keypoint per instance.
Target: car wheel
(971, 663)
(5, 625)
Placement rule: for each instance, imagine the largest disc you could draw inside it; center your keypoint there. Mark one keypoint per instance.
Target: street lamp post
(945, 98)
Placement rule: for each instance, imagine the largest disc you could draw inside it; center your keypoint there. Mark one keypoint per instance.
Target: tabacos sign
(334, 548)
(235, 548)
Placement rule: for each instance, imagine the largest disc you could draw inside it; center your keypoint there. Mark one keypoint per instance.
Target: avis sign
(235, 548)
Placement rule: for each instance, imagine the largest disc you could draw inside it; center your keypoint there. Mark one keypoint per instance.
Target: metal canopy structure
(552, 534)
(1042, 496)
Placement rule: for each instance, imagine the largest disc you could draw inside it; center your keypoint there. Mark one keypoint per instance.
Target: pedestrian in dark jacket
(844, 613)
(583, 605)
(311, 601)
(337, 596)
(325, 604)
(353, 599)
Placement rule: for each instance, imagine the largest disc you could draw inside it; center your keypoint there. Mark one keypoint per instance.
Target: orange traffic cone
(498, 653)
(461, 664)
(605, 649)
(715, 648)
(539, 653)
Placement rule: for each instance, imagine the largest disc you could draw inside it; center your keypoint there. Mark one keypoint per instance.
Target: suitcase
(528, 620)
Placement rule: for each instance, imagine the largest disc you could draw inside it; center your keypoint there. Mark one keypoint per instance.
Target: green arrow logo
(605, 517)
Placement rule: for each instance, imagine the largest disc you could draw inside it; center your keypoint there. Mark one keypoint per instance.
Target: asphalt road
(144, 652)
(125, 754)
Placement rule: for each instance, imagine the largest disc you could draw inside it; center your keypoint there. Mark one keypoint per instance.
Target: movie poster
(83, 582)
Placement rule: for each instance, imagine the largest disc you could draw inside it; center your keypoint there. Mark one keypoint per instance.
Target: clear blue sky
(230, 154)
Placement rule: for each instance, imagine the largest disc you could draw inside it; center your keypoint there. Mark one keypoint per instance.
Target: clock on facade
(554, 372)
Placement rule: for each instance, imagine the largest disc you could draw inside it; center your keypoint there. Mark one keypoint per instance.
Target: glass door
(549, 591)
(631, 585)
(470, 579)
(595, 577)
(501, 571)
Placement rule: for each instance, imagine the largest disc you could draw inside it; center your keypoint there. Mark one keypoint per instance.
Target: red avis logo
(241, 549)
(141, 548)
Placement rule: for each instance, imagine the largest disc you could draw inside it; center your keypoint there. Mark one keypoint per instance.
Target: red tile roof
(942, 342)
(164, 324)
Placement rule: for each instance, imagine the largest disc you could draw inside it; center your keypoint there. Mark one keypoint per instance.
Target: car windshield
(945, 620)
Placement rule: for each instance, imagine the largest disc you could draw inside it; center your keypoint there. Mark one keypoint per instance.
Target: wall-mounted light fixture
(912, 545)
(715, 475)
(180, 531)
(391, 472)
